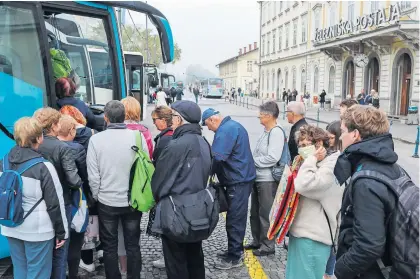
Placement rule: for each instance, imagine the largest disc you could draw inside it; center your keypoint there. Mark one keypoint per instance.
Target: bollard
(390, 125)
(416, 149)
(284, 110)
(317, 118)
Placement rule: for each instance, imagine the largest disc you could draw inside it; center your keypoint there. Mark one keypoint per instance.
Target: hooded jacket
(48, 219)
(83, 135)
(365, 209)
(184, 166)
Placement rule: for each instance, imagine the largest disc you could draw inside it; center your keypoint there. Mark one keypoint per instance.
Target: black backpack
(403, 223)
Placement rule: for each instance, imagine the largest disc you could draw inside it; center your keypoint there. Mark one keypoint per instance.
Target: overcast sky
(209, 32)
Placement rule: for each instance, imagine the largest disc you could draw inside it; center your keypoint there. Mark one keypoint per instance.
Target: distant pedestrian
(322, 98)
(295, 113)
(173, 93)
(361, 97)
(375, 99)
(294, 94)
(235, 169)
(161, 97)
(196, 93)
(289, 96)
(307, 99)
(368, 98)
(266, 155)
(46, 229)
(179, 93)
(285, 96)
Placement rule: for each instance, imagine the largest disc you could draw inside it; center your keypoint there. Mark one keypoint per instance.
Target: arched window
(331, 81)
(316, 80)
(273, 81)
(303, 81)
(294, 78)
(286, 80)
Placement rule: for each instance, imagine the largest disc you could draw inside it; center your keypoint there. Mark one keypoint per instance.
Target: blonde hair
(75, 113)
(67, 123)
(27, 130)
(369, 121)
(132, 108)
(47, 117)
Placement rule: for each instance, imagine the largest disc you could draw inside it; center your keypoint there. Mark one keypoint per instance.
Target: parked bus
(212, 87)
(32, 30)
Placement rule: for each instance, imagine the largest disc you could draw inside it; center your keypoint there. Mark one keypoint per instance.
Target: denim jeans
(31, 260)
(109, 217)
(236, 217)
(59, 262)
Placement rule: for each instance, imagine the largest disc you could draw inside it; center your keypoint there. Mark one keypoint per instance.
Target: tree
(135, 40)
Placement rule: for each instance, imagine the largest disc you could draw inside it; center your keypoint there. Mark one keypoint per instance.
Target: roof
(236, 57)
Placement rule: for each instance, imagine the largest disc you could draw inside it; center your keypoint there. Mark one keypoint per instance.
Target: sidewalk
(402, 132)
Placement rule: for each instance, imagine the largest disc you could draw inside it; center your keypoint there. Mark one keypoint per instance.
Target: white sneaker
(159, 263)
(87, 267)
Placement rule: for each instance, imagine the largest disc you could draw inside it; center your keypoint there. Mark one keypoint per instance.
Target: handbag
(278, 168)
(91, 240)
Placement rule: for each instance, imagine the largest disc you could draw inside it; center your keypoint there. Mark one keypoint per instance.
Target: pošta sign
(362, 22)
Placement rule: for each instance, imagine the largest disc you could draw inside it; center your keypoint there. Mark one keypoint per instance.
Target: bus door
(134, 77)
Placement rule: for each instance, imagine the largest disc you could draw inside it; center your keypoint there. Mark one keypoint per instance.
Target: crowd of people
(341, 226)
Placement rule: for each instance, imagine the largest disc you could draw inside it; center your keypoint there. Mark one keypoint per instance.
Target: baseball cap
(207, 114)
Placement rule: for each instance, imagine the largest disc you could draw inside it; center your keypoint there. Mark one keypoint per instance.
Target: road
(272, 267)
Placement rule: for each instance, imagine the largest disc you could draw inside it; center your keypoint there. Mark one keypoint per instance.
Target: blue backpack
(11, 193)
(79, 211)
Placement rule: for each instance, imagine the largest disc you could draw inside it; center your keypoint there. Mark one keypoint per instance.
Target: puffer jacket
(363, 237)
(63, 159)
(48, 219)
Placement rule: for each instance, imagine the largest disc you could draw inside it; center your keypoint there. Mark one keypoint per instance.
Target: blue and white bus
(212, 87)
(29, 30)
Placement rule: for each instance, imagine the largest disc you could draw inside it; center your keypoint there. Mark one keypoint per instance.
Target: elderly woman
(266, 155)
(45, 229)
(162, 118)
(315, 222)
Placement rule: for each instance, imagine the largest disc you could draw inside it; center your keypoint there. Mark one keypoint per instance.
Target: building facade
(343, 48)
(241, 71)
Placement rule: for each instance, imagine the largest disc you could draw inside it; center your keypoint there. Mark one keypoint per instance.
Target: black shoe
(226, 264)
(252, 246)
(260, 253)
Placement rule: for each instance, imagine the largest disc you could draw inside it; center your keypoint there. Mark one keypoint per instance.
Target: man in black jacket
(183, 168)
(367, 204)
(295, 113)
(63, 159)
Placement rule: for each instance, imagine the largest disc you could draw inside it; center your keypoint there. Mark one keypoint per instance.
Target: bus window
(23, 87)
(93, 68)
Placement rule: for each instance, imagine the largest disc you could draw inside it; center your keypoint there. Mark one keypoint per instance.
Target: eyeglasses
(156, 118)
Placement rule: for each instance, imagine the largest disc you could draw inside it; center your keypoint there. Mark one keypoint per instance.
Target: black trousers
(183, 260)
(108, 233)
(73, 258)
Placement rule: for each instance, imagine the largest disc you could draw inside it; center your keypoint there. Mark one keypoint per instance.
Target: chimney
(255, 45)
(240, 51)
(244, 50)
(250, 47)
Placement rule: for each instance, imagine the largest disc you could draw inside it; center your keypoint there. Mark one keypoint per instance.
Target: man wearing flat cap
(234, 165)
(183, 168)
